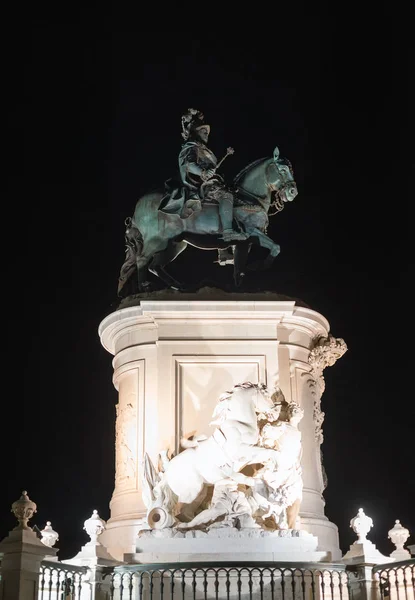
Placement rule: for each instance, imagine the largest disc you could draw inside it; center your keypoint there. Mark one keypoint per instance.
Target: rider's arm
(189, 159)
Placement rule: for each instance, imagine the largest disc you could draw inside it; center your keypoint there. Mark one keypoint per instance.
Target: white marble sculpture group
(247, 474)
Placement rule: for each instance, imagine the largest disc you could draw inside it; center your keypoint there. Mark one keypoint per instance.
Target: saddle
(179, 200)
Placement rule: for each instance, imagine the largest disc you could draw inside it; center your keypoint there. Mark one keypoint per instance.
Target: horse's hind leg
(163, 258)
(142, 273)
(240, 258)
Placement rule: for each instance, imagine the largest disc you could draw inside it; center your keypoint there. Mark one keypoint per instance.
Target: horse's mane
(246, 385)
(284, 161)
(245, 169)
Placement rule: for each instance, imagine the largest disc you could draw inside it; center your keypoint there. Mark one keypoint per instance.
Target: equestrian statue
(200, 209)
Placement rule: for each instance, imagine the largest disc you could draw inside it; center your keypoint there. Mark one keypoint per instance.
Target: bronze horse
(154, 239)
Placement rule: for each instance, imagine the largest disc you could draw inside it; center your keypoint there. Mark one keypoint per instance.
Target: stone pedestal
(226, 544)
(365, 553)
(172, 360)
(22, 556)
(96, 558)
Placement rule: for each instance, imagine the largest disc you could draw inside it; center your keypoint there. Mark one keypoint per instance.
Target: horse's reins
(277, 203)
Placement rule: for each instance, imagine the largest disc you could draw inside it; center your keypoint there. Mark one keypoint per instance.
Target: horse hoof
(239, 279)
(145, 287)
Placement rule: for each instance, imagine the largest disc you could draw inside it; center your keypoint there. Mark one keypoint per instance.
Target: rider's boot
(191, 206)
(226, 218)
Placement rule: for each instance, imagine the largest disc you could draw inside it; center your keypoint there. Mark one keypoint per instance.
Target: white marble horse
(222, 455)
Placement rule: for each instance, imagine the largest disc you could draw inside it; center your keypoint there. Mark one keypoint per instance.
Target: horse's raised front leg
(268, 457)
(258, 237)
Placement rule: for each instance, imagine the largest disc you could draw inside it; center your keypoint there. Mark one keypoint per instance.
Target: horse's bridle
(277, 203)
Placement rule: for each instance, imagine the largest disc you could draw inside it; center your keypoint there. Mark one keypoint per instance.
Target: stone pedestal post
(23, 553)
(95, 557)
(172, 360)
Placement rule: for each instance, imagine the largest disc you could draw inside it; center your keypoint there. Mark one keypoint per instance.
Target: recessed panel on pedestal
(200, 380)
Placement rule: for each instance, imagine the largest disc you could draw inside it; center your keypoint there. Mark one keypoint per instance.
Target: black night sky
(94, 122)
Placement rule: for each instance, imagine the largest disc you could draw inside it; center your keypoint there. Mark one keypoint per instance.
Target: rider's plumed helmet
(192, 120)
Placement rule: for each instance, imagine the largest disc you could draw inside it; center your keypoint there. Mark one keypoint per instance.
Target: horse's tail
(133, 247)
(133, 236)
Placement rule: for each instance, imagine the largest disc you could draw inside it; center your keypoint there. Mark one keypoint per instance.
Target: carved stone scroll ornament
(324, 353)
(125, 468)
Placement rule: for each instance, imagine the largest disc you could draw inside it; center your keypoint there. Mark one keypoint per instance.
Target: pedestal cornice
(153, 314)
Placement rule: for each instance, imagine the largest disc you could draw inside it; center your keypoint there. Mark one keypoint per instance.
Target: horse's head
(280, 179)
(255, 394)
(247, 397)
(263, 401)
(265, 177)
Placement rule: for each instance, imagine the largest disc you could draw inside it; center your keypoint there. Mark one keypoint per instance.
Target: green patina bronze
(200, 209)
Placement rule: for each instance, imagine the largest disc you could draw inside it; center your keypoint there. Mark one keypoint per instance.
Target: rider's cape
(175, 198)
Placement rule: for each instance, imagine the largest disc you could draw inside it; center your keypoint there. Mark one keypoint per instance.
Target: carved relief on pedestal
(318, 414)
(125, 442)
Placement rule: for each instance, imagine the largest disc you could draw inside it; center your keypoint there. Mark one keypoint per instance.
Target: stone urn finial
(398, 536)
(94, 526)
(49, 536)
(361, 525)
(23, 509)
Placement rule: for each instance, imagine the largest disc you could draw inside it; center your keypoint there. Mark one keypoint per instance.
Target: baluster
(205, 584)
(250, 583)
(228, 585)
(239, 584)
